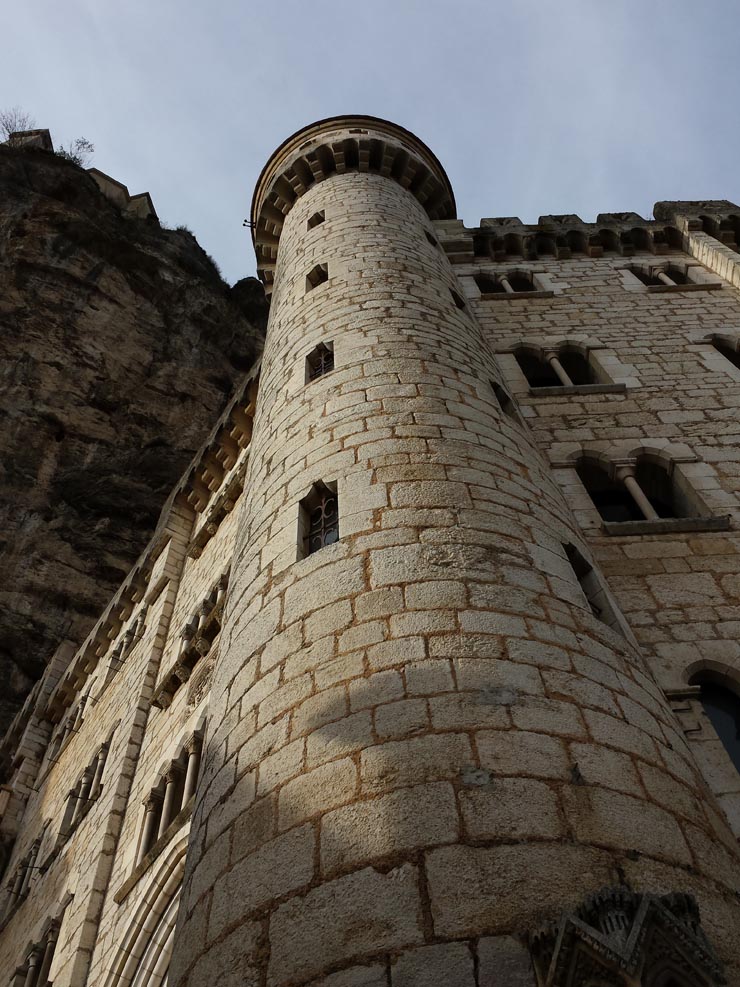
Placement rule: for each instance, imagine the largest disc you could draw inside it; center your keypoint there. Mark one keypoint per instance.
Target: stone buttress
(415, 731)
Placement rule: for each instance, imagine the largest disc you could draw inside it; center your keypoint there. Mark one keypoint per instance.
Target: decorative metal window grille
(323, 525)
(319, 362)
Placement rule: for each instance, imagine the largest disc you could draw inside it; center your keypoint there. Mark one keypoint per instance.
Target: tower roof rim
(312, 129)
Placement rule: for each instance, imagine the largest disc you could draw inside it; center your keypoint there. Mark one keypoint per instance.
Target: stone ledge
(667, 526)
(505, 296)
(693, 286)
(554, 392)
(149, 858)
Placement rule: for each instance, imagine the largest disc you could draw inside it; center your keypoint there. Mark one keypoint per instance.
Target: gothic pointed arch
(620, 937)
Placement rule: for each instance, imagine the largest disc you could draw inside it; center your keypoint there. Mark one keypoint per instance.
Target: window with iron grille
(319, 361)
(319, 519)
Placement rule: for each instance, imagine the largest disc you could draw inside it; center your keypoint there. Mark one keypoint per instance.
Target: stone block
(504, 962)
(443, 965)
(476, 890)
(276, 868)
(368, 831)
(518, 752)
(353, 916)
(317, 791)
(511, 809)
(621, 821)
(399, 763)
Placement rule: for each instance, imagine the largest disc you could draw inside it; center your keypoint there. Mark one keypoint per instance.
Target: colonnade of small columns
(19, 885)
(34, 972)
(170, 796)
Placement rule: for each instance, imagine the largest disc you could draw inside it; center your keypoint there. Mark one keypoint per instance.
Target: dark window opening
(658, 276)
(457, 299)
(646, 277)
(521, 282)
(727, 351)
(611, 499)
(656, 484)
(678, 276)
(505, 401)
(723, 709)
(577, 366)
(319, 519)
(316, 276)
(489, 285)
(537, 371)
(316, 219)
(319, 361)
(430, 238)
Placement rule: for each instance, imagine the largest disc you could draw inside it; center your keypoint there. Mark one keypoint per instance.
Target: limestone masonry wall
(425, 746)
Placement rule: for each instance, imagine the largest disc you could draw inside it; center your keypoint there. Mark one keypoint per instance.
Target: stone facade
(445, 715)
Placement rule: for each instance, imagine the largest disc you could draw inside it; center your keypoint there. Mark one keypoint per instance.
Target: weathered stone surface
(119, 345)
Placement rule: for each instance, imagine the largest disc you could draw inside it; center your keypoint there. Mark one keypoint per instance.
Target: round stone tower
(424, 742)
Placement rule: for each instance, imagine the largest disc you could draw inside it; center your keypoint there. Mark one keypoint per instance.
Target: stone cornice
(334, 146)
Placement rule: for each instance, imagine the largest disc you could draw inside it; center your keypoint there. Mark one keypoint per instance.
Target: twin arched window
(566, 366)
(643, 490)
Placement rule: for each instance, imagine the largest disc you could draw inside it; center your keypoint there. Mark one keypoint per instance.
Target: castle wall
(679, 591)
(425, 740)
(414, 705)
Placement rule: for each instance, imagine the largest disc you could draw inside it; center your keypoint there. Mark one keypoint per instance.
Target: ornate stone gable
(618, 938)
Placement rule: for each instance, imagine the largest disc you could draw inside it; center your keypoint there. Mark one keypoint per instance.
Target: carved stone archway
(618, 938)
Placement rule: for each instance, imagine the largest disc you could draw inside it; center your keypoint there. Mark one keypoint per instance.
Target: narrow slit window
(316, 276)
(430, 238)
(591, 586)
(316, 219)
(505, 401)
(457, 299)
(320, 361)
(727, 350)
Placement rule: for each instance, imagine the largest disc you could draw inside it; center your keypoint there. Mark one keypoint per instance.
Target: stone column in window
(191, 776)
(98, 774)
(83, 793)
(28, 869)
(14, 889)
(506, 285)
(153, 806)
(626, 475)
(169, 809)
(662, 276)
(34, 959)
(552, 359)
(51, 941)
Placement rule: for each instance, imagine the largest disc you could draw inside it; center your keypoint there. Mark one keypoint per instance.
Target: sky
(533, 106)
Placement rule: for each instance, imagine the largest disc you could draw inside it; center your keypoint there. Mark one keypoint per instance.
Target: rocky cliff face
(119, 343)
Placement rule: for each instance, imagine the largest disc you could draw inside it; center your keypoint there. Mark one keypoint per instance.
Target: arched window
(565, 366)
(318, 519)
(538, 372)
(655, 482)
(610, 497)
(505, 283)
(576, 365)
(722, 707)
(665, 275)
(643, 490)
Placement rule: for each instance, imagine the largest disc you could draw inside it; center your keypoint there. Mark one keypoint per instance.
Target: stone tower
(415, 730)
